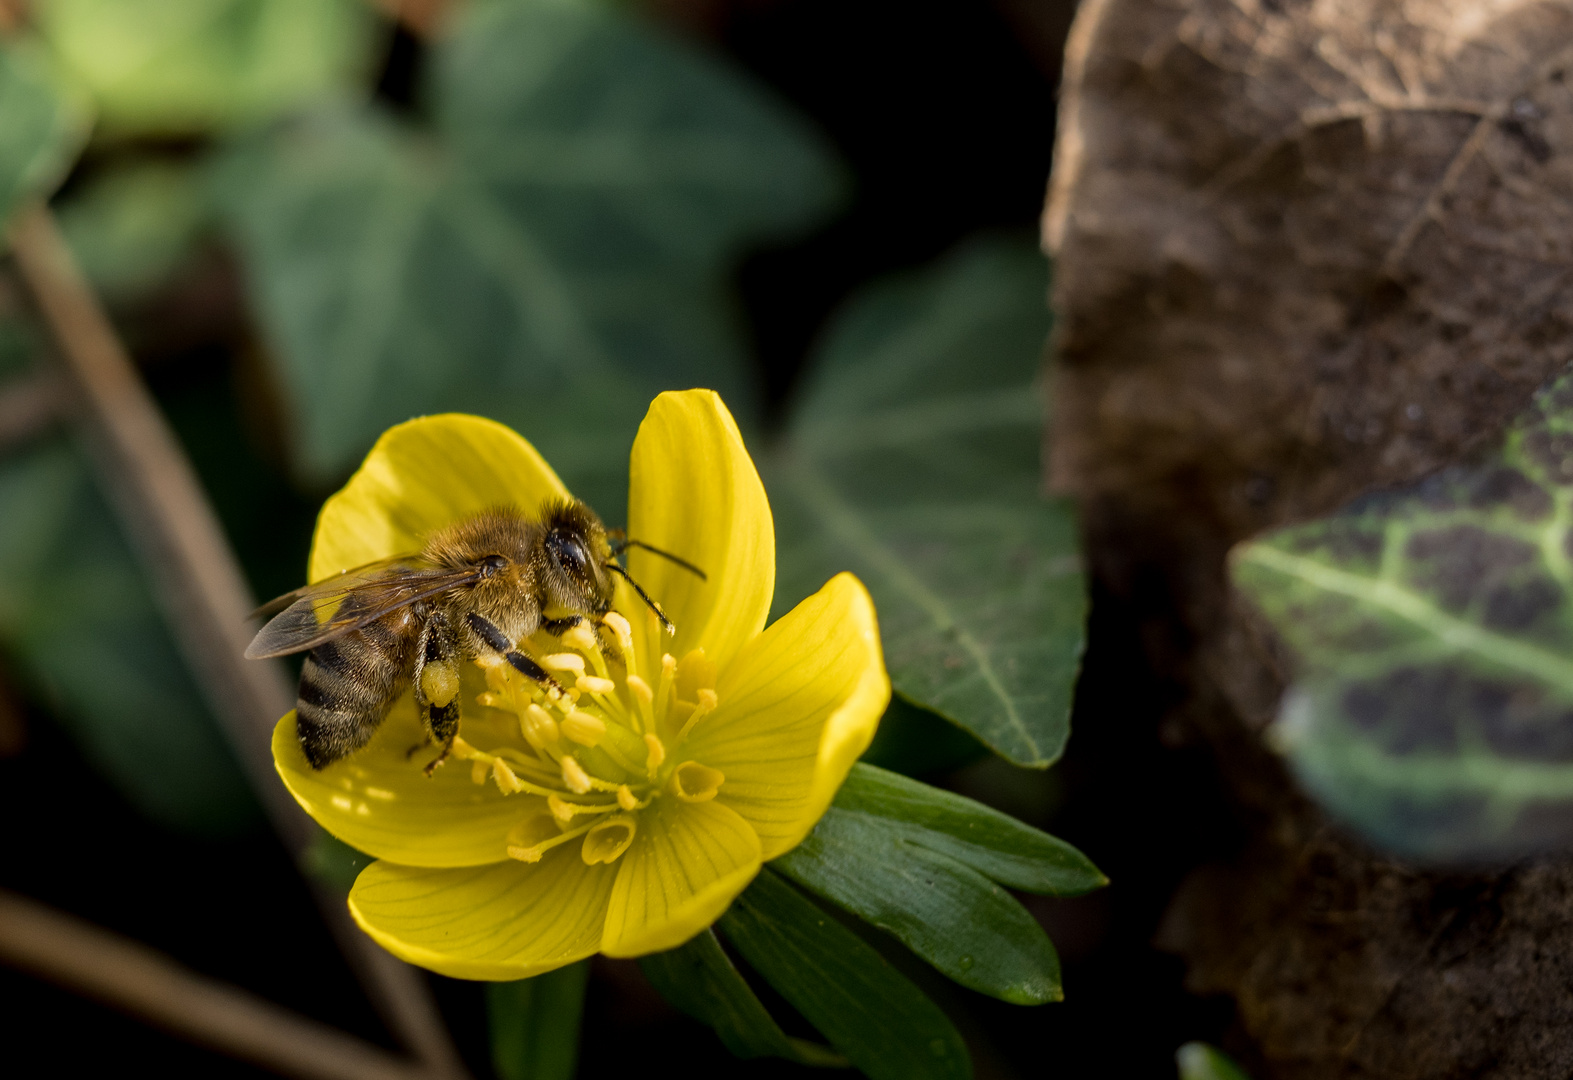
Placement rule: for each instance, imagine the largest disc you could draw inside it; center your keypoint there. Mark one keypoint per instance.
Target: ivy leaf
(869, 1011)
(1432, 701)
(186, 66)
(949, 914)
(912, 460)
(535, 1024)
(86, 635)
(553, 249)
(996, 845)
(46, 123)
(701, 980)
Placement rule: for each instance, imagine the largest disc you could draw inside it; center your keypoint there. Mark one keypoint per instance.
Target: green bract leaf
(1198, 1061)
(79, 620)
(949, 914)
(552, 252)
(1432, 702)
(535, 1024)
(912, 460)
(700, 979)
(996, 845)
(45, 124)
(870, 1012)
(193, 65)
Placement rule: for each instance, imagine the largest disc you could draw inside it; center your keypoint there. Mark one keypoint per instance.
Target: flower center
(600, 753)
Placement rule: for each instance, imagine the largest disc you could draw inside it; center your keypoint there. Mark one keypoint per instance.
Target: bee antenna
(624, 544)
(665, 622)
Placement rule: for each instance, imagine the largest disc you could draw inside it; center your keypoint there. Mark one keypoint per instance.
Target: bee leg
(437, 685)
(497, 641)
(559, 627)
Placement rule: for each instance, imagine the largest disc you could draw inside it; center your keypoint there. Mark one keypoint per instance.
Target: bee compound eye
(568, 552)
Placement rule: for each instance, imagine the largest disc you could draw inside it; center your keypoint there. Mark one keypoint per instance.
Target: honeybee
(480, 585)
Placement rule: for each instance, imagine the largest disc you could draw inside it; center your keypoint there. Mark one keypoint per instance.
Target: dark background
(945, 114)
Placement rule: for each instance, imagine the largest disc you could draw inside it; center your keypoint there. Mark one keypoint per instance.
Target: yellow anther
(619, 626)
(478, 771)
(532, 830)
(440, 682)
(538, 727)
(584, 728)
(574, 776)
(626, 798)
(563, 661)
(594, 684)
(693, 782)
(581, 637)
(707, 702)
(561, 810)
(497, 676)
(640, 690)
(490, 700)
(607, 840)
(655, 753)
(462, 749)
(695, 671)
(507, 782)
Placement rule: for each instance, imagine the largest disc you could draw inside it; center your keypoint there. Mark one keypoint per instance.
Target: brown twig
(137, 980)
(198, 582)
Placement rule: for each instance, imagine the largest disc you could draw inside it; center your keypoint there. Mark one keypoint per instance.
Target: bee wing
(317, 613)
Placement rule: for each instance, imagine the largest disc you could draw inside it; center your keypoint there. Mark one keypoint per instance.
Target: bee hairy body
(347, 686)
(477, 587)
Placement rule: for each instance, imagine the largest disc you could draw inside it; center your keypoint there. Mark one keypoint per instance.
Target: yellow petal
(420, 476)
(510, 920)
(693, 491)
(380, 801)
(687, 863)
(797, 707)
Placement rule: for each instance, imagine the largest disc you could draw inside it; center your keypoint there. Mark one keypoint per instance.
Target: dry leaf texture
(1305, 249)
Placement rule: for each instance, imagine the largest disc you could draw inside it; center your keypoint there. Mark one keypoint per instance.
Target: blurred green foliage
(84, 632)
(189, 66)
(551, 250)
(45, 124)
(132, 227)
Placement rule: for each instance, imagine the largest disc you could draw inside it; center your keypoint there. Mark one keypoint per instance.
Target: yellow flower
(626, 817)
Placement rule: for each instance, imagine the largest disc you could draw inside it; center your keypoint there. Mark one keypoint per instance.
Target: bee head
(576, 551)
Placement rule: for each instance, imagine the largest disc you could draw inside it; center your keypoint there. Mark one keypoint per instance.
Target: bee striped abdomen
(347, 686)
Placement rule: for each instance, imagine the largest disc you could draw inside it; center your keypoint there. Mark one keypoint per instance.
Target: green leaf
(333, 862)
(917, 742)
(700, 979)
(87, 636)
(186, 66)
(132, 227)
(949, 914)
(535, 1024)
(45, 125)
(913, 461)
(1432, 697)
(553, 251)
(1198, 1061)
(871, 1013)
(996, 845)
